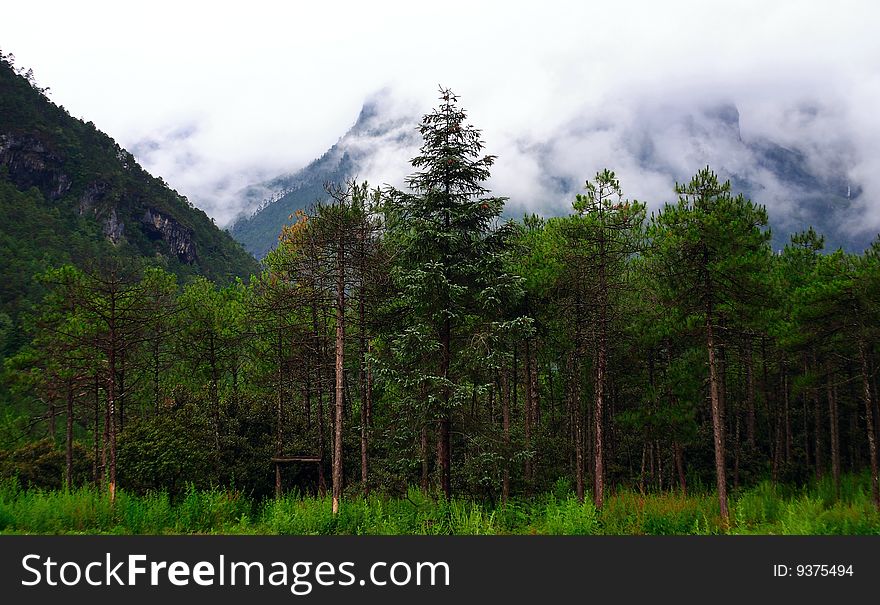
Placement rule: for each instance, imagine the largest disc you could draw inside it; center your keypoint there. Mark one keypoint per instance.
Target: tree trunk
(155, 353)
(869, 421)
(599, 398)
(445, 420)
(817, 426)
(369, 388)
(319, 412)
(575, 395)
(527, 410)
(215, 392)
(53, 429)
(96, 476)
(120, 390)
(834, 430)
(443, 454)
(279, 439)
(340, 377)
(505, 426)
(765, 390)
(737, 446)
(364, 388)
(786, 414)
(679, 467)
(536, 393)
(750, 397)
(111, 416)
(598, 420)
(68, 467)
(423, 453)
(717, 421)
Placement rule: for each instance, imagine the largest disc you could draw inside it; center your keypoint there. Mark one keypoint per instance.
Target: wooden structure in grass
(279, 460)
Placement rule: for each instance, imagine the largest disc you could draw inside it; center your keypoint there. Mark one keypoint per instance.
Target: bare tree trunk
(717, 421)
(835, 435)
(786, 415)
(215, 392)
(53, 429)
(659, 449)
(444, 453)
(319, 354)
(536, 394)
(869, 422)
(575, 395)
(68, 467)
(505, 425)
(423, 449)
(750, 396)
(105, 442)
(156, 375)
(527, 410)
(369, 388)
(569, 414)
(817, 427)
(96, 476)
(642, 477)
(679, 466)
(306, 392)
(765, 391)
(598, 420)
(111, 417)
(737, 446)
(777, 442)
(364, 388)
(340, 377)
(279, 445)
(120, 390)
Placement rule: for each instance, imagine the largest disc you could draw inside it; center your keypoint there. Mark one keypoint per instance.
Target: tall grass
(811, 510)
(763, 509)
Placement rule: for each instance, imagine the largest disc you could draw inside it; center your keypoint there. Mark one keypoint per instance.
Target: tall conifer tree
(450, 263)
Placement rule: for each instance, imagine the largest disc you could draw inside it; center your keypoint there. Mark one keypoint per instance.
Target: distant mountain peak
(651, 148)
(385, 127)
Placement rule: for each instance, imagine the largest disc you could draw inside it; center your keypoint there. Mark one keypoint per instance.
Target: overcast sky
(212, 96)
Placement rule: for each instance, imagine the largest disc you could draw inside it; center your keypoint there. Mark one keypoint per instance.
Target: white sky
(233, 92)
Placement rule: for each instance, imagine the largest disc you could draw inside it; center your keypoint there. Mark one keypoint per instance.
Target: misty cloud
(216, 100)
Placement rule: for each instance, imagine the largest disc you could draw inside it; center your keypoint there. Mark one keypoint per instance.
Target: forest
(412, 361)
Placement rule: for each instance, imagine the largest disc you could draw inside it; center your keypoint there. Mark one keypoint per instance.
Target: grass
(763, 509)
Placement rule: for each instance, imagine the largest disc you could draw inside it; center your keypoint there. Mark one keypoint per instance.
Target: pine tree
(610, 228)
(449, 266)
(711, 249)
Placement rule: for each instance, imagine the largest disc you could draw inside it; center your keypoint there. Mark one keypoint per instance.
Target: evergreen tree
(449, 268)
(610, 228)
(711, 250)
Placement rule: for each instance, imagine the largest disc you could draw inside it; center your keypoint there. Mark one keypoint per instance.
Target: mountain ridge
(268, 205)
(76, 168)
(668, 150)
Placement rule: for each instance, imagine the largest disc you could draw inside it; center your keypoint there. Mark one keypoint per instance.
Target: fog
(219, 96)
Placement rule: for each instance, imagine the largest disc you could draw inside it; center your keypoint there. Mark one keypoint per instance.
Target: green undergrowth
(762, 509)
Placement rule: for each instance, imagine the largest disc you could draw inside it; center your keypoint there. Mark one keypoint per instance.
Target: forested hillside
(413, 338)
(70, 193)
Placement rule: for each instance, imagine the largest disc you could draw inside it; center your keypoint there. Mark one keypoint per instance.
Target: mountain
(651, 149)
(377, 143)
(655, 147)
(70, 193)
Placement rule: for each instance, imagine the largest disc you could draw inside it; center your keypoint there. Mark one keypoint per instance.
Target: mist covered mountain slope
(376, 144)
(650, 148)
